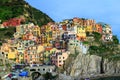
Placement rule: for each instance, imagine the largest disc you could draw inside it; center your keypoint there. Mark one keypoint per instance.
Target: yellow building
(21, 57)
(20, 52)
(89, 28)
(81, 33)
(48, 35)
(18, 28)
(12, 53)
(36, 31)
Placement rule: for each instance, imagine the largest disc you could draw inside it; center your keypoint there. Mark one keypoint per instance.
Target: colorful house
(36, 31)
(34, 54)
(89, 28)
(76, 20)
(98, 28)
(12, 53)
(47, 54)
(21, 51)
(106, 33)
(81, 33)
(58, 58)
(13, 22)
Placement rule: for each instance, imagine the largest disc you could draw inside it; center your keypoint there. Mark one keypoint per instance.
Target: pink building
(58, 58)
(76, 20)
(5, 47)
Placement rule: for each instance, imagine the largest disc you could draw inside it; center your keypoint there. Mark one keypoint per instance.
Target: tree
(9, 34)
(97, 36)
(49, 76)
(115, 39)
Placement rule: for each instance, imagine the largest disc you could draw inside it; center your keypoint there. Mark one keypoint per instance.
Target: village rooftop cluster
(51, 43)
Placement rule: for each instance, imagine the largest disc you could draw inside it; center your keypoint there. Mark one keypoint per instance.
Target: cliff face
(85, 65)
(111, 67)
(92, 65)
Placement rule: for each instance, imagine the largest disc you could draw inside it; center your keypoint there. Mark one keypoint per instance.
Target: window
(25, 56)
(43, 69)
(59, 57)
(32, 70)
(50, 34)
(63, 57)
(82, 28)
(59, 61)
(71, 44)
(63, 61)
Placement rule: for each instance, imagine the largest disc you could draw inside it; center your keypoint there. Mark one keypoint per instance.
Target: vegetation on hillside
(6, 33)
(49, 76)
(15, 8)
(105, 49)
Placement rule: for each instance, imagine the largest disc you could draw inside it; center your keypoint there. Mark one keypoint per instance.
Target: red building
(13, 22)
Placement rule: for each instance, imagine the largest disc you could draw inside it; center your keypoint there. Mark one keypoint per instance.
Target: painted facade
(81, 33)
(58, 58)
(107, 33)
(12, 53)
(34, 44)
(34, 54)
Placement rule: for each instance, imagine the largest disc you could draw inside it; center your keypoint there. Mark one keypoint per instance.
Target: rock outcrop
(86, 65)
(111, 67)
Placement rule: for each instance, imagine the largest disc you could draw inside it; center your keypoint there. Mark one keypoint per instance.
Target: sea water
(109, 78)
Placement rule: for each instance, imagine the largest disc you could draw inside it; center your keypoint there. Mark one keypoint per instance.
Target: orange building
(34, 54)
(98, 28)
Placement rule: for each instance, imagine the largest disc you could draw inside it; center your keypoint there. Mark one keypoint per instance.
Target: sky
(107, 11)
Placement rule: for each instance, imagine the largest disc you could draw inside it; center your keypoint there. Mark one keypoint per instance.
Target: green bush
(85, 42)
(115, 40)
(97, 36)
(49, 76)
(6, 33)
